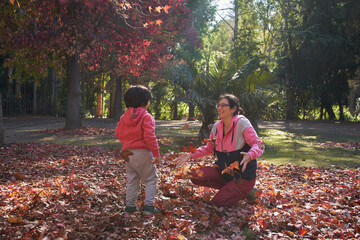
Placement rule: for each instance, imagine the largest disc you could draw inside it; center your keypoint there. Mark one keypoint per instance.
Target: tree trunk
(321, 112)
(209, 117)
(99, 104)
(118, 99)
(18, 103)
(175, 110)
(285, 12)
(52, 76)
(2, 131)
(236, 19)
(157, 108)
(34, 102)
(191, 112)
(73, 107)
(111, 110)
(289, 94)
(341, 108)
(330, 111)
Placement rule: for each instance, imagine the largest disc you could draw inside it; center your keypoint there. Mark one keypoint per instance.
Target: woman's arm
(256, 144)
(200, 152)
(257, 147)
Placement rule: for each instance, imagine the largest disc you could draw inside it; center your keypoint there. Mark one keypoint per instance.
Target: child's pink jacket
(240, 132)
(136, 129)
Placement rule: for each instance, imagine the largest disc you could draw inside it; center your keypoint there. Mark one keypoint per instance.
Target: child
(136, 132)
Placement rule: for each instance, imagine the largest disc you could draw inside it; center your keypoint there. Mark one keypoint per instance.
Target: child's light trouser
(140, 167)
(229, 192)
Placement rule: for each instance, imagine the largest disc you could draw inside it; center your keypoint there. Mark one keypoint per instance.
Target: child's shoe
(251, 195)
(130, 210)
(150, 210)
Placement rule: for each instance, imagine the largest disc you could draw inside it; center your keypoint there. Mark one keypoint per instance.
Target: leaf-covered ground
(70, 192)
(83, 131)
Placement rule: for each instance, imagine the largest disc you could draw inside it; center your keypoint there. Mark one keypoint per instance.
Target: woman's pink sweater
(239, 133)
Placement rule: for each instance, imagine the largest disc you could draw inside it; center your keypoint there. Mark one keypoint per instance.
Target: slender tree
(2, 131)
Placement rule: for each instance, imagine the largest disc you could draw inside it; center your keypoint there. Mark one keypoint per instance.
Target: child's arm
(149, 135)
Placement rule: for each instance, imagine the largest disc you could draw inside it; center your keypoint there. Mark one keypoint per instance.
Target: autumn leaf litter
(72, 192)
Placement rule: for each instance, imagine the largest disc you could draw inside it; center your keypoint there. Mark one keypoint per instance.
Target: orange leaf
(186, 126)
(13, 219)
(166, 8)
(150, 8)
(302, 231)
(19, 176)
(12, 2)
(199, 173)
(158, 22)
(72, 174)
(125, 154)
(192, 149)
(260, 145)
(158, 9)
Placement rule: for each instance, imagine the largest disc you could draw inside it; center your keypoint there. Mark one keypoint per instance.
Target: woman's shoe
(251, 195)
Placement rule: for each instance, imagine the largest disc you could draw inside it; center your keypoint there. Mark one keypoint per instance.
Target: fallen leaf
(186, 126)
(125, 154)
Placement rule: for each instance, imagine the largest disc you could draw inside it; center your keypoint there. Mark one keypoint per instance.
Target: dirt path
(26, 129)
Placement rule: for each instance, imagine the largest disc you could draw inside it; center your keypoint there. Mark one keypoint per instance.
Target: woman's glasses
(222, 105)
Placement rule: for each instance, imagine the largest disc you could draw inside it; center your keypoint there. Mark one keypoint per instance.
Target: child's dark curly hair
(137, 96)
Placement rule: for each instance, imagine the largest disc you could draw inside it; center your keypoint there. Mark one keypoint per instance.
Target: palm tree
(250, 84)
(242, 78)
(197, 90)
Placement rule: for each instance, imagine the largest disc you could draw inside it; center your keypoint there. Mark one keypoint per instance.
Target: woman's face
(224, 110)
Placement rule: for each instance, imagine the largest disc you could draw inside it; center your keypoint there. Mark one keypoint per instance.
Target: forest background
(284, 59)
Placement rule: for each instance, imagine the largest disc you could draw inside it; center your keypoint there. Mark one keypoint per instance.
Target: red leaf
(302, 231)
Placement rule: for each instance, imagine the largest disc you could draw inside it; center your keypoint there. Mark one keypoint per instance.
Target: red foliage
(345, 145)
(126, 37)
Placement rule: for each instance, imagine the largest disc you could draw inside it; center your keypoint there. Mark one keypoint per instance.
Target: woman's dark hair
(233, 102)
(137, 96)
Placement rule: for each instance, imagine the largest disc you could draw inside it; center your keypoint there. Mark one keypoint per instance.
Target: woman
(234, 139)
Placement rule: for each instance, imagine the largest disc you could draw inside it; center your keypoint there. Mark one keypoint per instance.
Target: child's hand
(155, 160)
(184, 157)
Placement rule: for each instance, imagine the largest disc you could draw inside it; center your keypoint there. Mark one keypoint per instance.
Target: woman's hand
(182, 159)
(246, 159)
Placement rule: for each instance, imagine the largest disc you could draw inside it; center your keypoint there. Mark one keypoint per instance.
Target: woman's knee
(228, 195)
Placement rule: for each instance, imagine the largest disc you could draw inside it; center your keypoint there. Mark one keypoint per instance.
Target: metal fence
(13, 106)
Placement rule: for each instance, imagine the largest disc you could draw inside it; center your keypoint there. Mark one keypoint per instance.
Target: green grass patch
(306, 149)
(281, 147)
(104, 141)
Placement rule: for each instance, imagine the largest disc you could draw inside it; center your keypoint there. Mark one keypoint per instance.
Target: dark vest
(224, 159)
